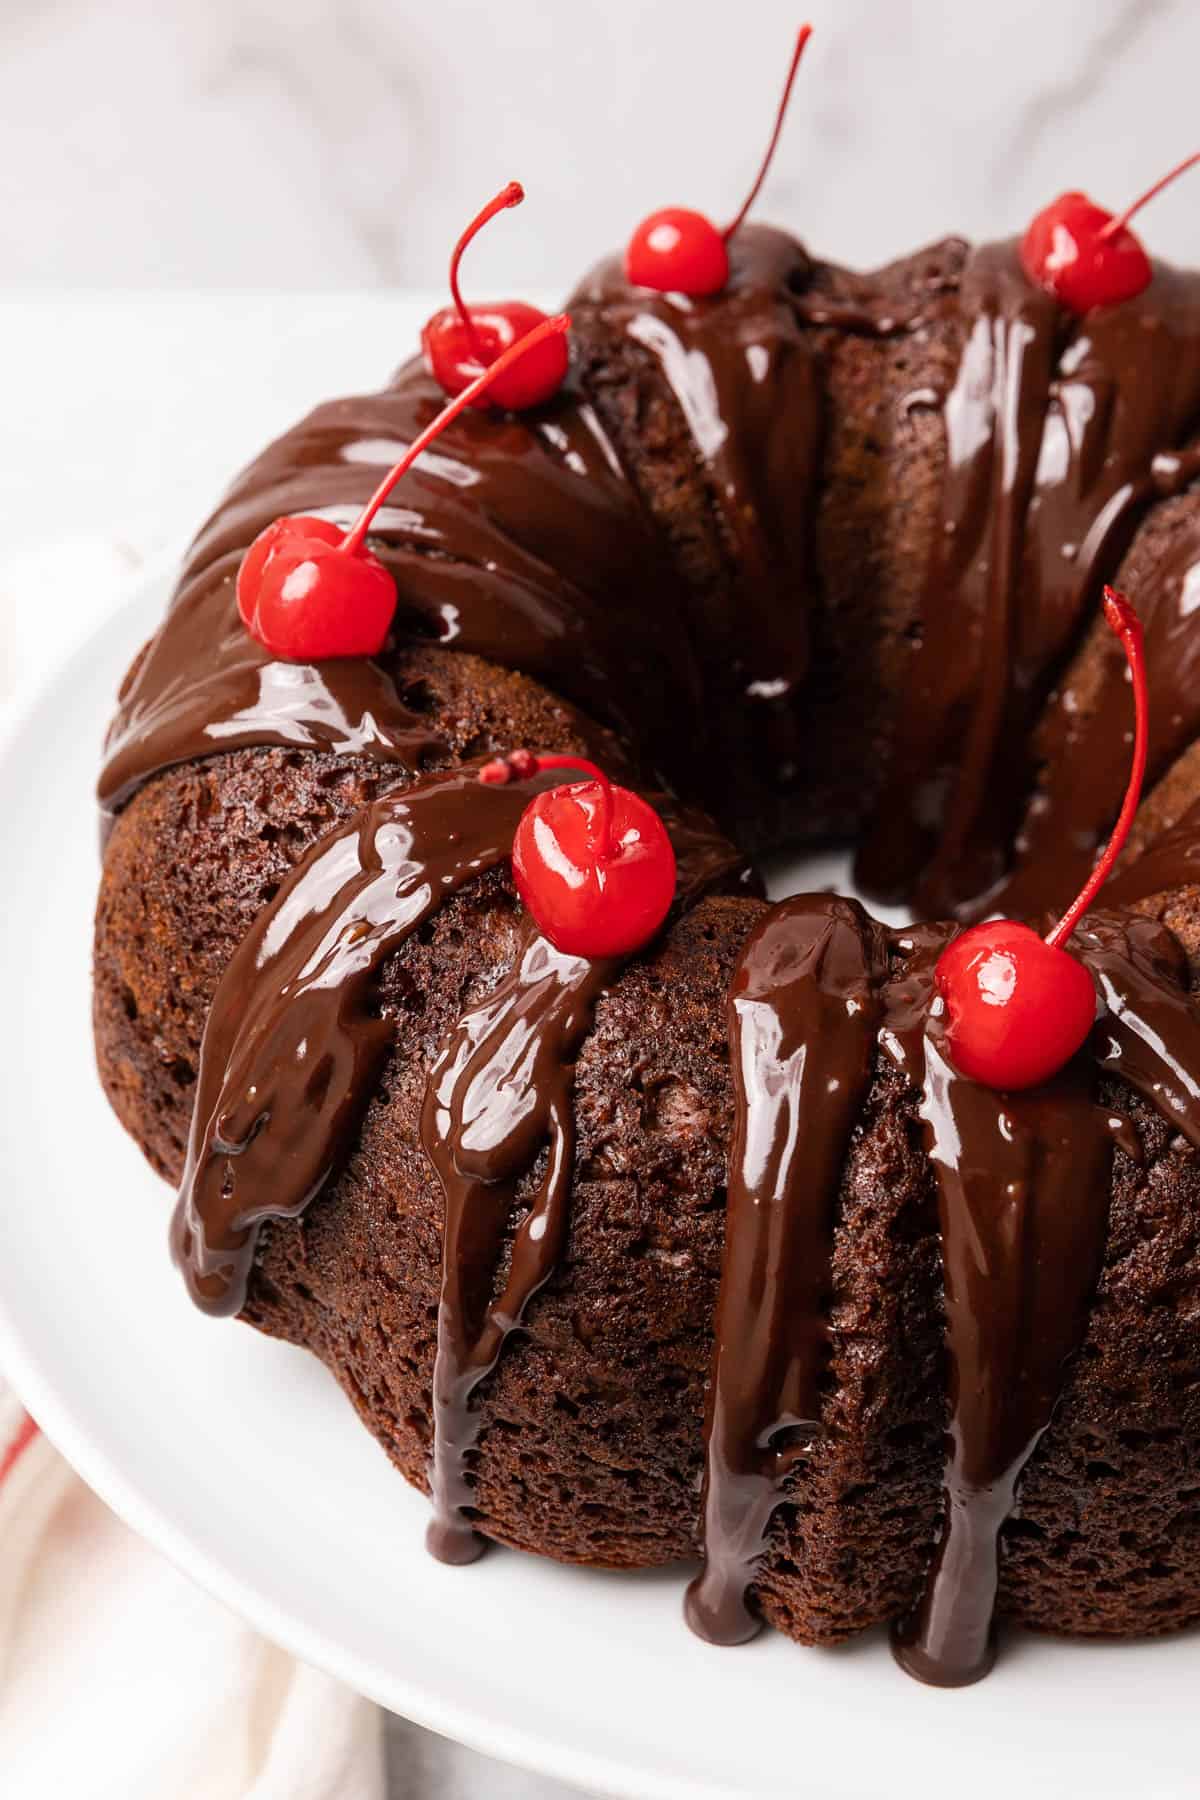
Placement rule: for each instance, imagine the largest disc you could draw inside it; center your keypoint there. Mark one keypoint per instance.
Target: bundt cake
(710, 1249)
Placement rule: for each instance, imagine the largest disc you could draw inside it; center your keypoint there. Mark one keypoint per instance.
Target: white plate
(239, 1458)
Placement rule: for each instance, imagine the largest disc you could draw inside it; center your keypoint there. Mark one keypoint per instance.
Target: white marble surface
(307, 144)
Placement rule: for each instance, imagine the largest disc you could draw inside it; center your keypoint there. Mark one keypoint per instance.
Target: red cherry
(679, 251)
(1016, 1009)
(1086, 256)
(460, 341)
(308, 591)
(592, 862)
(1019, 1006)
(305, 600)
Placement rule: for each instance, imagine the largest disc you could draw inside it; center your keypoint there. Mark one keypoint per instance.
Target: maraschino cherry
(307, 590)
(1086, 256)
(679, 251)
(592, 862)
(1019, 1006)
(460, 341)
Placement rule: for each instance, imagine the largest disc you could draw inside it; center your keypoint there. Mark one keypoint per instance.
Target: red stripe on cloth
(25, 1436)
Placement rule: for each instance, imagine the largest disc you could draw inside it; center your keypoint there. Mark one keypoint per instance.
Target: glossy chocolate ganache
(820, 992)
(294, 1049)
(650, 544)
(1058, 433)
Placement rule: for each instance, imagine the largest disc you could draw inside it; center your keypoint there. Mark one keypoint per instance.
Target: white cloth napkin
(119, 1680)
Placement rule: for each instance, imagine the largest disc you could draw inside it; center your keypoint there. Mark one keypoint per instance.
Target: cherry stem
(523, 763)
(802, 38)
(547, 328)
(511, 194)
(1119, 224)
(1123, 620)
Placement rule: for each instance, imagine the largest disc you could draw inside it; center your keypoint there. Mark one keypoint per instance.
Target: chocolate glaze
(1024, 1183)
(1023, 1189)
(292, 1051)
(1085, 737)
(499, 1093)
(1171, 862)
(803, 1013)
(517, 538)
(1149, 1029)
(523, 540)
(746, 379)
(1052, 428)
(203, 684)
(949, 716)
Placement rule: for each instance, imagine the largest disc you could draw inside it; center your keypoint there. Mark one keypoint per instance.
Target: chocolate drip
(516, 538)
(1171, 861)
(1023, 1192)
(498, 1096)
(748, 383)
(803, 1011)
(1023, 1189)
(1052, 431)
(952, 710)
(1023, 1184)
(1149, 1030)
(1085, 737)
(499, 1093)
(203, 685)
(521, 539)
(292, 1051)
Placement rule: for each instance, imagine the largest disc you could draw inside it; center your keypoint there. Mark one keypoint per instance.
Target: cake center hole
(827, 871)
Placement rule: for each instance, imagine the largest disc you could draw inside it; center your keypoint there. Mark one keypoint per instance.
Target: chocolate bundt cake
(710, 1250)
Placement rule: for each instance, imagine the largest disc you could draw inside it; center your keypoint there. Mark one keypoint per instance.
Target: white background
(208, 205)
(332, 144)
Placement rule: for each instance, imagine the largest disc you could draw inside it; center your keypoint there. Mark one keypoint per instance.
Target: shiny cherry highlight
(679, 251)
(461, 341)
(308, 591)
(1018, 1006)
(1086, 256)
(592, 862)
